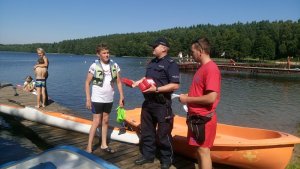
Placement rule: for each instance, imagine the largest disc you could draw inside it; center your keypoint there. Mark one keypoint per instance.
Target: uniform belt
(157, 97)
(210, 114)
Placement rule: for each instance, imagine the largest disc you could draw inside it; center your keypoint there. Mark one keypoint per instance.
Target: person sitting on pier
(40, 83)
(28, 84)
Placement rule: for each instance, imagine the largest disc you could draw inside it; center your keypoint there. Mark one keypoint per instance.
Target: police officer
(156, 115)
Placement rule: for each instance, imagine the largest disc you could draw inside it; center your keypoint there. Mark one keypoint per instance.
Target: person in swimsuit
(42, 54)
(40, 83)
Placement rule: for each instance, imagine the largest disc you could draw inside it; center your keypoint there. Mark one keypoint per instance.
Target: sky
(49, 21)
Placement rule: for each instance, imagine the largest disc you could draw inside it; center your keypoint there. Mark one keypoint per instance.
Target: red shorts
(210, 134)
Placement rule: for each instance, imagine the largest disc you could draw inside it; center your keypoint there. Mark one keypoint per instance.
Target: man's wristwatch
(156, 89)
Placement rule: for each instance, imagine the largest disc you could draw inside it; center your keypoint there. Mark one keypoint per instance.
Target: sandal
(108, 150)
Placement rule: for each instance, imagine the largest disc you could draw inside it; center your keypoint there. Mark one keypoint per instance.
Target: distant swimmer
(289, 62)
(231, 61)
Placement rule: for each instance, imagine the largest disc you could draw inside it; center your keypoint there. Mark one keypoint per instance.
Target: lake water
(268, 103)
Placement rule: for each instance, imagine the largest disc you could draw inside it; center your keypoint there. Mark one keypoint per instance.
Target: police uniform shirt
(163, 71)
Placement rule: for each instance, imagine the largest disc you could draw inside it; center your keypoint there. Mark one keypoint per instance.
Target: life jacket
(98, 77)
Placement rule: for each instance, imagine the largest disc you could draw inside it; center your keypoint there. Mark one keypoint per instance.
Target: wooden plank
(56, 138)
(181, 162)
(120, 152)
(42, 128)
(127, 156)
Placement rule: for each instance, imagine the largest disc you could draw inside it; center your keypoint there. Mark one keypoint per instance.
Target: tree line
(262, 40)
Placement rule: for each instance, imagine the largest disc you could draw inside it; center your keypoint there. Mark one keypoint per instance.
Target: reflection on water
(13, 145)
(269, 103)
(263, 103)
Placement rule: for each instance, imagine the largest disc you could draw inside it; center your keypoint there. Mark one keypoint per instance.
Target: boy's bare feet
(89, 150)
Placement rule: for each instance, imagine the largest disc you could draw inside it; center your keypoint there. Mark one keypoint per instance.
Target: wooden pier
(48, 136)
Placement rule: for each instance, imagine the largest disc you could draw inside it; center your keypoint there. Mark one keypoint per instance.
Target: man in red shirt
(202, 99)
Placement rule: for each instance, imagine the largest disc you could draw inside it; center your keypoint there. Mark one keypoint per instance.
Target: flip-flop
(108, 150)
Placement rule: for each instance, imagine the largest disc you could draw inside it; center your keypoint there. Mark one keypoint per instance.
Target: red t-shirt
(207, 78)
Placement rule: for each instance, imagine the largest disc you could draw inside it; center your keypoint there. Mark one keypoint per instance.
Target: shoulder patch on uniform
(171, 60)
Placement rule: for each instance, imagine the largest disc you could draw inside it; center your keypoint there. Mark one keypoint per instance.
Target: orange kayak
(244, 147)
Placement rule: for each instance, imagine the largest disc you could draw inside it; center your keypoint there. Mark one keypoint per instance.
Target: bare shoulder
(45, 59)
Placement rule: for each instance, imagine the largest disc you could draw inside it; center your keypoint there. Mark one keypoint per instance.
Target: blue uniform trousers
(156, 131)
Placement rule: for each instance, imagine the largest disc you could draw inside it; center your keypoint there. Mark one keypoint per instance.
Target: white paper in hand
(173, 96)
(185, 108)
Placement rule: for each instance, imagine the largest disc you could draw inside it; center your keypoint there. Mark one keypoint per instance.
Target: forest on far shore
(262, 40)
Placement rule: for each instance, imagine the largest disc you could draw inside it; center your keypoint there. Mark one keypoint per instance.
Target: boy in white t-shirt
(103, 73)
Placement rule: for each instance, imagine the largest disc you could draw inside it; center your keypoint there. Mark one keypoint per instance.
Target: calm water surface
(268, 103)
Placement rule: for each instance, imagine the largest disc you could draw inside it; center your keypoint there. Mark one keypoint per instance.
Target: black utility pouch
(196, 124)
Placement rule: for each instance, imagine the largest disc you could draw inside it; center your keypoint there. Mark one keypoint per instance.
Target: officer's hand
(151, 89)
(134, 84)
(183, 98)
